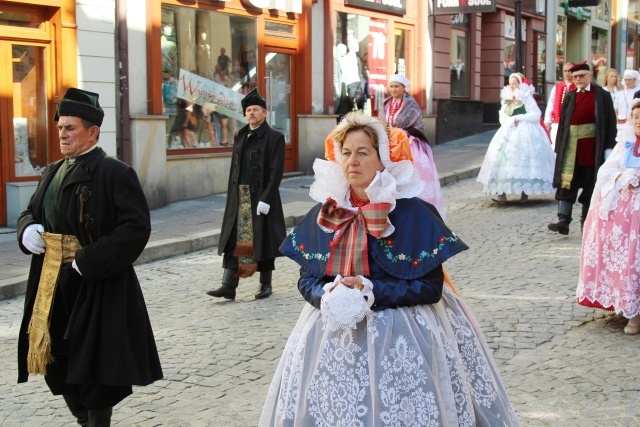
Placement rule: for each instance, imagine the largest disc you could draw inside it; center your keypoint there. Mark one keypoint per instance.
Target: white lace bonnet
(398, 180)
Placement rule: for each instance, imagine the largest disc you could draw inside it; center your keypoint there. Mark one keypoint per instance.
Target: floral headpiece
(394, 147)
(398, 180)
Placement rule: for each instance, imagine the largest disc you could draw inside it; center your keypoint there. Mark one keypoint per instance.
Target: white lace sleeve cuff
(342, 308)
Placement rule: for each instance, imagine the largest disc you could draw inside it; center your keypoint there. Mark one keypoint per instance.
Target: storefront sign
(210, 95)
(292, 6)
(583, 13)
(392, 6)
(448, 7)
(376, 53)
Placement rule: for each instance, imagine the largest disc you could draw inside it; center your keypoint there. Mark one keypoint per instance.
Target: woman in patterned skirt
(610, 262)
(382, 341)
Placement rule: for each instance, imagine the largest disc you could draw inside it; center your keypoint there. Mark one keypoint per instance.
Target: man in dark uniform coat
(253, 224)
(100, 336)
(586, 135)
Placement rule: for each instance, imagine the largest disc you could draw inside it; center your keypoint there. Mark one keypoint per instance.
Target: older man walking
(587, 129)
(85, 325)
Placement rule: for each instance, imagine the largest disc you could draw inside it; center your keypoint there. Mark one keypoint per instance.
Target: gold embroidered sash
(576, 132)
(61, 249)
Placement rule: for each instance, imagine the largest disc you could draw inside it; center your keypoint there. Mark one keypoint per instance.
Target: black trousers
(92, 395)
(584, 177)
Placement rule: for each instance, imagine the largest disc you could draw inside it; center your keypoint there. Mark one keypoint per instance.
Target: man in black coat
(253, 224)
(85, 324)
(586, 135)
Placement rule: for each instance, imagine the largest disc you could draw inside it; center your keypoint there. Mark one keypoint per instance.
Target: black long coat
(265, 152)
(111, 341)
(606, 130)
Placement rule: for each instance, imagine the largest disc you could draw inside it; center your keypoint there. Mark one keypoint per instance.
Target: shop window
(560, 46)
(459, 55)
(540, 78)
(602, 11)
(359, 62)
(402, 44)
(632, 47)
(29, 110)
(208, 65)
(13, 18)
(510, 46)
(599, 54)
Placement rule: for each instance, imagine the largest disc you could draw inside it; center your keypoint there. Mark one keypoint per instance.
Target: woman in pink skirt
(610, 262)
(402, 111)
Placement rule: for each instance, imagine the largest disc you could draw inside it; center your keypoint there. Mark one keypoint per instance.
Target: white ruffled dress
(423, 365)
(519, 158)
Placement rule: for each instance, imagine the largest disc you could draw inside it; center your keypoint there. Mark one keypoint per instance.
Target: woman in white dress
(381, 342)
(519, 159)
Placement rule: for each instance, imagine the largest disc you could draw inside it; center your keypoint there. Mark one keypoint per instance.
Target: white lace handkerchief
(343, 308)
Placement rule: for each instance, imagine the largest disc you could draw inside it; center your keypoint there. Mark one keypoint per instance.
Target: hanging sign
(210, 95)
(448, 7)
(391, 6)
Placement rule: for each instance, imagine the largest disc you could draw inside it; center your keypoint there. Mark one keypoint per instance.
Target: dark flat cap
(80, 103)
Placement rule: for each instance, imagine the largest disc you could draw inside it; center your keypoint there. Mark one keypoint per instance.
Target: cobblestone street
(563, 365)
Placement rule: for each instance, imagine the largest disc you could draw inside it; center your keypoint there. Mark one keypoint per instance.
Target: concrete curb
(167, 248)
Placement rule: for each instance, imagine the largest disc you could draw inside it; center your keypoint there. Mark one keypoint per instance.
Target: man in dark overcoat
(586, 135)
(253, 224)
(85, 324)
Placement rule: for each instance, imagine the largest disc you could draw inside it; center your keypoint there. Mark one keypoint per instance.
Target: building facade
(171, 74)
(45, 47)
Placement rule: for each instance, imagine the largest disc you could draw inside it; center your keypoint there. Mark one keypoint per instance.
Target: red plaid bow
(349, 247)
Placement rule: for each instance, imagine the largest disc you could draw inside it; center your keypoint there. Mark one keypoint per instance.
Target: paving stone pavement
(563, 365)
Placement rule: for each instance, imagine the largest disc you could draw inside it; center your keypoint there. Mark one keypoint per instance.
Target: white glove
(263, 208)
(32, 240)
(75, 267)
(607, 153)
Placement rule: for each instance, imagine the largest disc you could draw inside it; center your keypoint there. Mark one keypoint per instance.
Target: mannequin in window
(221, 77)
(169, 51)
(351, 69)
(204, 57)
(458, 84)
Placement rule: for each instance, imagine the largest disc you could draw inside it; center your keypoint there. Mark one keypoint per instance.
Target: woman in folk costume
(519, 159)
(381, 341)
(610, 262)
(402, 111)
(624, 99)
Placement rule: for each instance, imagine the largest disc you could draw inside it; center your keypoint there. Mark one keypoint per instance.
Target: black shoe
(264, 291)
(225, 291)
(559, 227)
(265, 285)
(229, 285)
